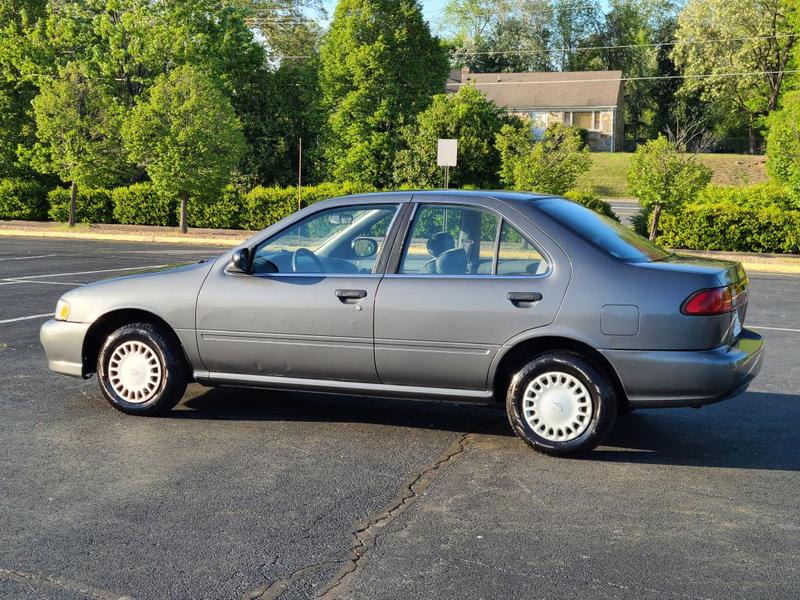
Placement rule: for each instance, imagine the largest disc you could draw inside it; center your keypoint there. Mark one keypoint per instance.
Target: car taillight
(713, 301)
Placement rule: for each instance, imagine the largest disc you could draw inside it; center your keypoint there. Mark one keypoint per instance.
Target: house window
(584, 120)
(539, 124)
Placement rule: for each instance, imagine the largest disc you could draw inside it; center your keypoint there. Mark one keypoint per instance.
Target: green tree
(17, 127)
(783, 143)
(497, 36)
(186, 135)
(737, 36)
(551, 165)
(284, 107)
(77, 127)
(664, 178)
(467, 116)
(380, 66)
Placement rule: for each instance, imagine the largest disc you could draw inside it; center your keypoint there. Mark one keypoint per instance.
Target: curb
(124, 237)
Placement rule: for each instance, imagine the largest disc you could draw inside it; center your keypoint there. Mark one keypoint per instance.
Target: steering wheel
(309, 254)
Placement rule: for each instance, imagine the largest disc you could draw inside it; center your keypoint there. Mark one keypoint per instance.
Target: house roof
(569, 89)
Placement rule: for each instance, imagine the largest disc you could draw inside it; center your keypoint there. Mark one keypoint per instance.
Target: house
(591, 100)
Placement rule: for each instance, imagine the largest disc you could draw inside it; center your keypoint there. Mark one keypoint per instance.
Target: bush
(23, 199)
(591, 200)
(468, 116)
(94, 205)
(264, 206)
(226, 211)
(550, 166)
(760, 195)
(732, 227)
(142, 204)
(664, 178)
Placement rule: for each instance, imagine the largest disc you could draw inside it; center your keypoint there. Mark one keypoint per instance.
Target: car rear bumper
(661, 379)
(63, 345)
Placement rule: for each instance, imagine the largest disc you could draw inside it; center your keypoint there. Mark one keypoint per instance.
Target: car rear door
(441, 325)
(313, 318)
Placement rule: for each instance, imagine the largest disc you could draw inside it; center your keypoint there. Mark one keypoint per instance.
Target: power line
(643, 78)
(629, 46)
(615, 47)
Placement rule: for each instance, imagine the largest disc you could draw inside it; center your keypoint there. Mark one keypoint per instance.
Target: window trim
(378, 268)
(403, 238)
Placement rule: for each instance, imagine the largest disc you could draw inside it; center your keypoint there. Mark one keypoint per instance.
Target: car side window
(517, 255)
(450, 240)
(338, 241)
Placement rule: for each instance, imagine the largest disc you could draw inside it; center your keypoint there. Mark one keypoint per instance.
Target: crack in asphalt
(60, 583)
(276, 588)
(367, 534)
(365, 537)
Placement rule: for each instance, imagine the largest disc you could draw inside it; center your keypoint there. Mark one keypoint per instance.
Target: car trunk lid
(725, 275)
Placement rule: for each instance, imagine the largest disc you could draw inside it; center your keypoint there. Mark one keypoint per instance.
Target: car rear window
(616, 239)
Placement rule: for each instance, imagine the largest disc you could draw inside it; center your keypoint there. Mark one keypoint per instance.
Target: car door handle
(523, 298)
(345, 295)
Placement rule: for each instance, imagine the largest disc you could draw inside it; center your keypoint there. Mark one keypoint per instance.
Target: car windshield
(613, 237)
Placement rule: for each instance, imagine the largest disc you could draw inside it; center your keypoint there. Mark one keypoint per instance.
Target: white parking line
(143, 268)
(775, 328)
(26, 318)
(13, 281)
(30, 257)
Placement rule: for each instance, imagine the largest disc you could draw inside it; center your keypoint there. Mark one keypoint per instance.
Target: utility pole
(299, 174)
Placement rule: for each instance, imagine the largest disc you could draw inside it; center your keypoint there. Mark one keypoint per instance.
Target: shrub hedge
(760, 195)
(264, 206)
(22, 199)
(733, 228)
(223, 212)
(93, 205)
(142, 204)
(589, 199)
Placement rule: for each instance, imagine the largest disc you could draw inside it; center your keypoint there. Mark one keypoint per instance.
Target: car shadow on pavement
(271, 405)
(754, 431)
(757, 430)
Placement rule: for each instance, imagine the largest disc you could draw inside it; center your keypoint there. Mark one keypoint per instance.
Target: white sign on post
(447, 153)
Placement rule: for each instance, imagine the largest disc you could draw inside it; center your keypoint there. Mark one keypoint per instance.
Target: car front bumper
(661, 379)
(63, 345)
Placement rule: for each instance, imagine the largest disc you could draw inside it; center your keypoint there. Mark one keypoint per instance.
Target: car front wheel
(141, 371)
(561, 405)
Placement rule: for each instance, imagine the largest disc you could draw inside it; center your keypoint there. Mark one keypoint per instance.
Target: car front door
(306, 309)
(467, 280)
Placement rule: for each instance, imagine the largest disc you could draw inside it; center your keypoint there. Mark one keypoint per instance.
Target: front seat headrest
(452, 262)
(439, 243)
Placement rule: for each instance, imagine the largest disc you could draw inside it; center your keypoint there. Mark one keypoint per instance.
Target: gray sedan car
(529, 301)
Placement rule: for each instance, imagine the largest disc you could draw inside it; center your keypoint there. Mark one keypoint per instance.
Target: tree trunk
(73, 204)
(654, 222)
(184, 201)
(751, 138)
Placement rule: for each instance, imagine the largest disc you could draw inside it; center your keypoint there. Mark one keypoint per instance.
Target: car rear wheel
(561, 405)
(141, 370)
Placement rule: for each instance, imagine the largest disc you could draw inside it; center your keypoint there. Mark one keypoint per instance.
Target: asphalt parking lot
(258, 494)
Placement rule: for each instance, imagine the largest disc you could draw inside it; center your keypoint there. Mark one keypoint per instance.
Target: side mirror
(364, 247)
(240, 261)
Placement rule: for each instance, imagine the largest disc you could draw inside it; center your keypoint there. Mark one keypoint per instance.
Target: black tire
(167, 392)
(602, 398)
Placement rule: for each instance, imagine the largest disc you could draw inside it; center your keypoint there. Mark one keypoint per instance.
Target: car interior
(444, 240)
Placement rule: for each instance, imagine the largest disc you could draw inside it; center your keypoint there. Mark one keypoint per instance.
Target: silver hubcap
(557, 406)
(134, 372)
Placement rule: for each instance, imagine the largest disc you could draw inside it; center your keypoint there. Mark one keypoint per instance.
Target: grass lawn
(609, 171)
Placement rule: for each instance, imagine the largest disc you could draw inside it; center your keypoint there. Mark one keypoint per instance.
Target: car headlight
(62, 310)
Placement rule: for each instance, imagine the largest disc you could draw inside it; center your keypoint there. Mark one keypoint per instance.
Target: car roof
(406, 195)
